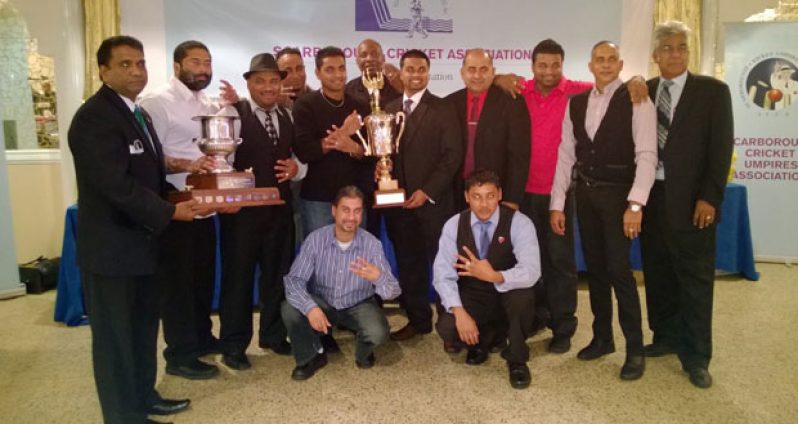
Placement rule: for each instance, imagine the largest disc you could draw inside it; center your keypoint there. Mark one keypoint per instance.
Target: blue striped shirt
(322, 268)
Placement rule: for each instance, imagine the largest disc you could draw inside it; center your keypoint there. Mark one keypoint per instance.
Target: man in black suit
(371, 59)
(495, 129)
(429, 154)
(261, 235)
(121, 181)
(695, 135)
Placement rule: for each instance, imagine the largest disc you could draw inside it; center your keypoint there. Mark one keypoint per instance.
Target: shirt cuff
(638, 196)
(306, 307)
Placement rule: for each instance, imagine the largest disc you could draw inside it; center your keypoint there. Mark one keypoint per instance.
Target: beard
(191, 81)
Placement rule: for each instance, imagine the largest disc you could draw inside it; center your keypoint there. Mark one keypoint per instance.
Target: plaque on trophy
(224, 186)
(382, 141)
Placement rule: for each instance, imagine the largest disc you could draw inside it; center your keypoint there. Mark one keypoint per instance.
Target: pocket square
(136, 148)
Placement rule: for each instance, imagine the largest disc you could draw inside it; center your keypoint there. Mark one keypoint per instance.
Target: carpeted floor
(46, 376)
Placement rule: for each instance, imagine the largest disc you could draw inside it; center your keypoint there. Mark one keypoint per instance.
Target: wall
(36, 209)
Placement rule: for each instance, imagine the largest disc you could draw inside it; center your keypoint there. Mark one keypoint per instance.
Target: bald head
(477, 71)
(605, 63)
(370, 56)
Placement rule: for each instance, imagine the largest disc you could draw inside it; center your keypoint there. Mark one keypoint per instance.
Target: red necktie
(473, 119)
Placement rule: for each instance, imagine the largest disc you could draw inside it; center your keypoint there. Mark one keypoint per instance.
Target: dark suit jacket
(357, 91)
(430, 151)
(121, 180)
(503, 139)
(699, 147)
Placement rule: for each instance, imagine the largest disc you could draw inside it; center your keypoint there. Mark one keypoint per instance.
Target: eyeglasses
(671, 50)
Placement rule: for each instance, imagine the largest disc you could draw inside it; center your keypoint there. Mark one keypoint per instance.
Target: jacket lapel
(685, 102)
(414, 121)
(113, 97)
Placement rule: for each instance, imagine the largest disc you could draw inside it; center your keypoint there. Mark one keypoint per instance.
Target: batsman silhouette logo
(416, 18)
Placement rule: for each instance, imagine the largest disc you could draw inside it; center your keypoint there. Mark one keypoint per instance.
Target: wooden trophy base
(388, 194)
(226, 189)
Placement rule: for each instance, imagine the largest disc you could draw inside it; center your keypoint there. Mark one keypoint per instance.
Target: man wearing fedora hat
(260, 235)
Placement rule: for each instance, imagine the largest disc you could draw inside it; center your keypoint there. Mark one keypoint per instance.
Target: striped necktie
(269, 125)
(663, 117)
(408, 107)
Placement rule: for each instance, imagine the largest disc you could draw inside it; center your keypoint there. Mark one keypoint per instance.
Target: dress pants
(499, 316)
(600, 212)
(366, 319)
(556, 291)
(123, 315)
(186, 272)
(679, 271)
(415, 234)
(264, 236)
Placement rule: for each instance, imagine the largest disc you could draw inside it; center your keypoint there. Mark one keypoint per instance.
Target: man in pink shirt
(547, 98)
(610, 145)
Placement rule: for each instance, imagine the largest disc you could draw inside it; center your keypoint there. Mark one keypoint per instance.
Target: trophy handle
(400, 120)
(366, 148)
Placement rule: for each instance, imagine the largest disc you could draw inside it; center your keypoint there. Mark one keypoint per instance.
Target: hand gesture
(511, 84)
(184, 211)
(631, 223)
(285, 169)
(202, 165)
(364, 269)
(228, 93)
(318, 321)
(471, 266)
(638, 89)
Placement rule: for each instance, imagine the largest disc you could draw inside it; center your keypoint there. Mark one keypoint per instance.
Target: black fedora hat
(263, 62)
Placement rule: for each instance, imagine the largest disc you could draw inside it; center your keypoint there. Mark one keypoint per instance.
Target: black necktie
(269, 125)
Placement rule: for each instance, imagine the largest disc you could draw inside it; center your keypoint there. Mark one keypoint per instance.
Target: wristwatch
(634, 207)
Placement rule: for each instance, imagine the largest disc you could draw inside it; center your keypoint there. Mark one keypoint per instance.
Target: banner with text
(235, 30)
(762, 73)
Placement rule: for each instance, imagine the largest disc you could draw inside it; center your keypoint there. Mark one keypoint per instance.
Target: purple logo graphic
(409, 16)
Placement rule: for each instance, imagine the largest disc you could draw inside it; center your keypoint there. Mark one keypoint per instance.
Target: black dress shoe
(237, 361)
(193, 370)
(700, 377)
(655, 350)
(560, 344)
(596, 349)
(168, 406)
(306, 371)
(368, 363)
(329, 344)
(280, 348)
(519, 375)
(633, 367)
(149, 421)
(476, 356)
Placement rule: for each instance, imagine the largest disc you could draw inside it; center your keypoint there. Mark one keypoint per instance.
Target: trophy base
(229, 197)
(222, 180)
(389, 198)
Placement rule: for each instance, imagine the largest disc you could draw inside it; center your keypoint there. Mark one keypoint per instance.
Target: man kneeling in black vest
(486, 286)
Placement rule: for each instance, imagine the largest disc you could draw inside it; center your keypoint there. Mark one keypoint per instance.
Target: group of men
(494, 181)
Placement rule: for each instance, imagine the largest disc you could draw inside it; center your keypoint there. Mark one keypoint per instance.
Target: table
(734, 247)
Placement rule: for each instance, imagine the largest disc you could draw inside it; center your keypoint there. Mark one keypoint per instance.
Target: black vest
(610, 156)
(500, 251)
(259, 152)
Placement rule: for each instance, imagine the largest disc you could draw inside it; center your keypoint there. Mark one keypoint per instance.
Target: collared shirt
(261, 114)
(675, 91)
(322, 269)
(546, 114)
(416, 98)
(470, 103)
(132, 106)
(172, 108)
(644, 133)
(524, 274)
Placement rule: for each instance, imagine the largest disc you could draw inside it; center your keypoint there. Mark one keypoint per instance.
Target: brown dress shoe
(405, 333)
(452, 347)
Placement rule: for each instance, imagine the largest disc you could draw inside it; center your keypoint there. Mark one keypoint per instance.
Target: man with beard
(188, 249)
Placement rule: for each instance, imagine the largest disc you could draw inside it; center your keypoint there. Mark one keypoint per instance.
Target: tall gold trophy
(380, 128)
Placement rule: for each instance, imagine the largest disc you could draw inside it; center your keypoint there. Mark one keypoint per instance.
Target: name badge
(137, 147)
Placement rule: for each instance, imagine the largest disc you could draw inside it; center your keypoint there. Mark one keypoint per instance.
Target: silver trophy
(380, 130)
(218, 140)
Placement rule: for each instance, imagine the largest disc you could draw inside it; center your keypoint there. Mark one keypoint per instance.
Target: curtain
(689, 12)
(101, 20)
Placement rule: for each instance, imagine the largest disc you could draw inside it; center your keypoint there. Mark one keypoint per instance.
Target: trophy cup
(380, 127)
(223, 186)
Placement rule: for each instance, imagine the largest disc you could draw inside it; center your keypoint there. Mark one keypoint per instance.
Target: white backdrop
(237, 29)
(762, 73)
